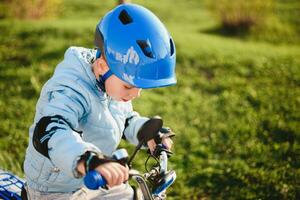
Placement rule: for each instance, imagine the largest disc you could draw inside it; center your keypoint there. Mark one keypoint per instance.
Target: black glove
(91, 160)
(153, 129)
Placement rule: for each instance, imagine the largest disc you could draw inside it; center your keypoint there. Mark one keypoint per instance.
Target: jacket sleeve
(65, 145)
(132, 126)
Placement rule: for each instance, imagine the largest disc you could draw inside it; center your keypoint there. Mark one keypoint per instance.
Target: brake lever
(159, 149)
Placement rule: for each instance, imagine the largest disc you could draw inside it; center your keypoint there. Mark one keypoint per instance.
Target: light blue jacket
(72, 92)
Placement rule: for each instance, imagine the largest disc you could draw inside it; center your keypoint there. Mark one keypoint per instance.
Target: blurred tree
(123, 1)
(241, 15)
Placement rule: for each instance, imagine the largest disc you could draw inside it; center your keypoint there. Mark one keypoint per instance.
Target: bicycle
(152, 184)
(10, 186)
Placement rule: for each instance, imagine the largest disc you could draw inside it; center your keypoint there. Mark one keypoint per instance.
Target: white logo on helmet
(131, 56)
(128, 78)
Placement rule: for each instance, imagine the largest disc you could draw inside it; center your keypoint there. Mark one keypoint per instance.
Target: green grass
(235, 108)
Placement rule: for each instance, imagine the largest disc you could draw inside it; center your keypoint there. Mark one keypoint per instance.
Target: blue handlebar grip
(93, 180)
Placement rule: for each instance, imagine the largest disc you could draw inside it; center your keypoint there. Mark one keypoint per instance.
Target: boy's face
(120, 90)
(115, 87)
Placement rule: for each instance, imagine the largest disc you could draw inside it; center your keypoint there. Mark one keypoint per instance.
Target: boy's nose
(136, 92)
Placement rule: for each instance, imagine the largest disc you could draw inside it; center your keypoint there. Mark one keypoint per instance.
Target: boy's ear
(101, 66)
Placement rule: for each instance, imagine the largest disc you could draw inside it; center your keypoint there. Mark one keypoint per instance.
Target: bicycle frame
(10, 186)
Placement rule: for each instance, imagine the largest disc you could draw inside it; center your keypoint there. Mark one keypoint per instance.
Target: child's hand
(167, 142)
(114, 173)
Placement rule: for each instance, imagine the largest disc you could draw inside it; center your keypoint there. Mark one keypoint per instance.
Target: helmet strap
(98, 53)
(104, 77)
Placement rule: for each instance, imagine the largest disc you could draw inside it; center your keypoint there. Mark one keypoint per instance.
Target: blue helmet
(137, 47)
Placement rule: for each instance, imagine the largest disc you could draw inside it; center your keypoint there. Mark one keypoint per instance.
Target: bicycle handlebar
(93, 179)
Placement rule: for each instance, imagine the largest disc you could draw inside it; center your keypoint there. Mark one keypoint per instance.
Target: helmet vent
(125, 17)
(145, 46)
(171, 47)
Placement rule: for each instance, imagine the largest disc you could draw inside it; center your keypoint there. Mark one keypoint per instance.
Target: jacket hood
(79, 60)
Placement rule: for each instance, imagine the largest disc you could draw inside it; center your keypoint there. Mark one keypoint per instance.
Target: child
(85, 109)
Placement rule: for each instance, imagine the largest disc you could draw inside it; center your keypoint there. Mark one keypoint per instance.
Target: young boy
(85, 109)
